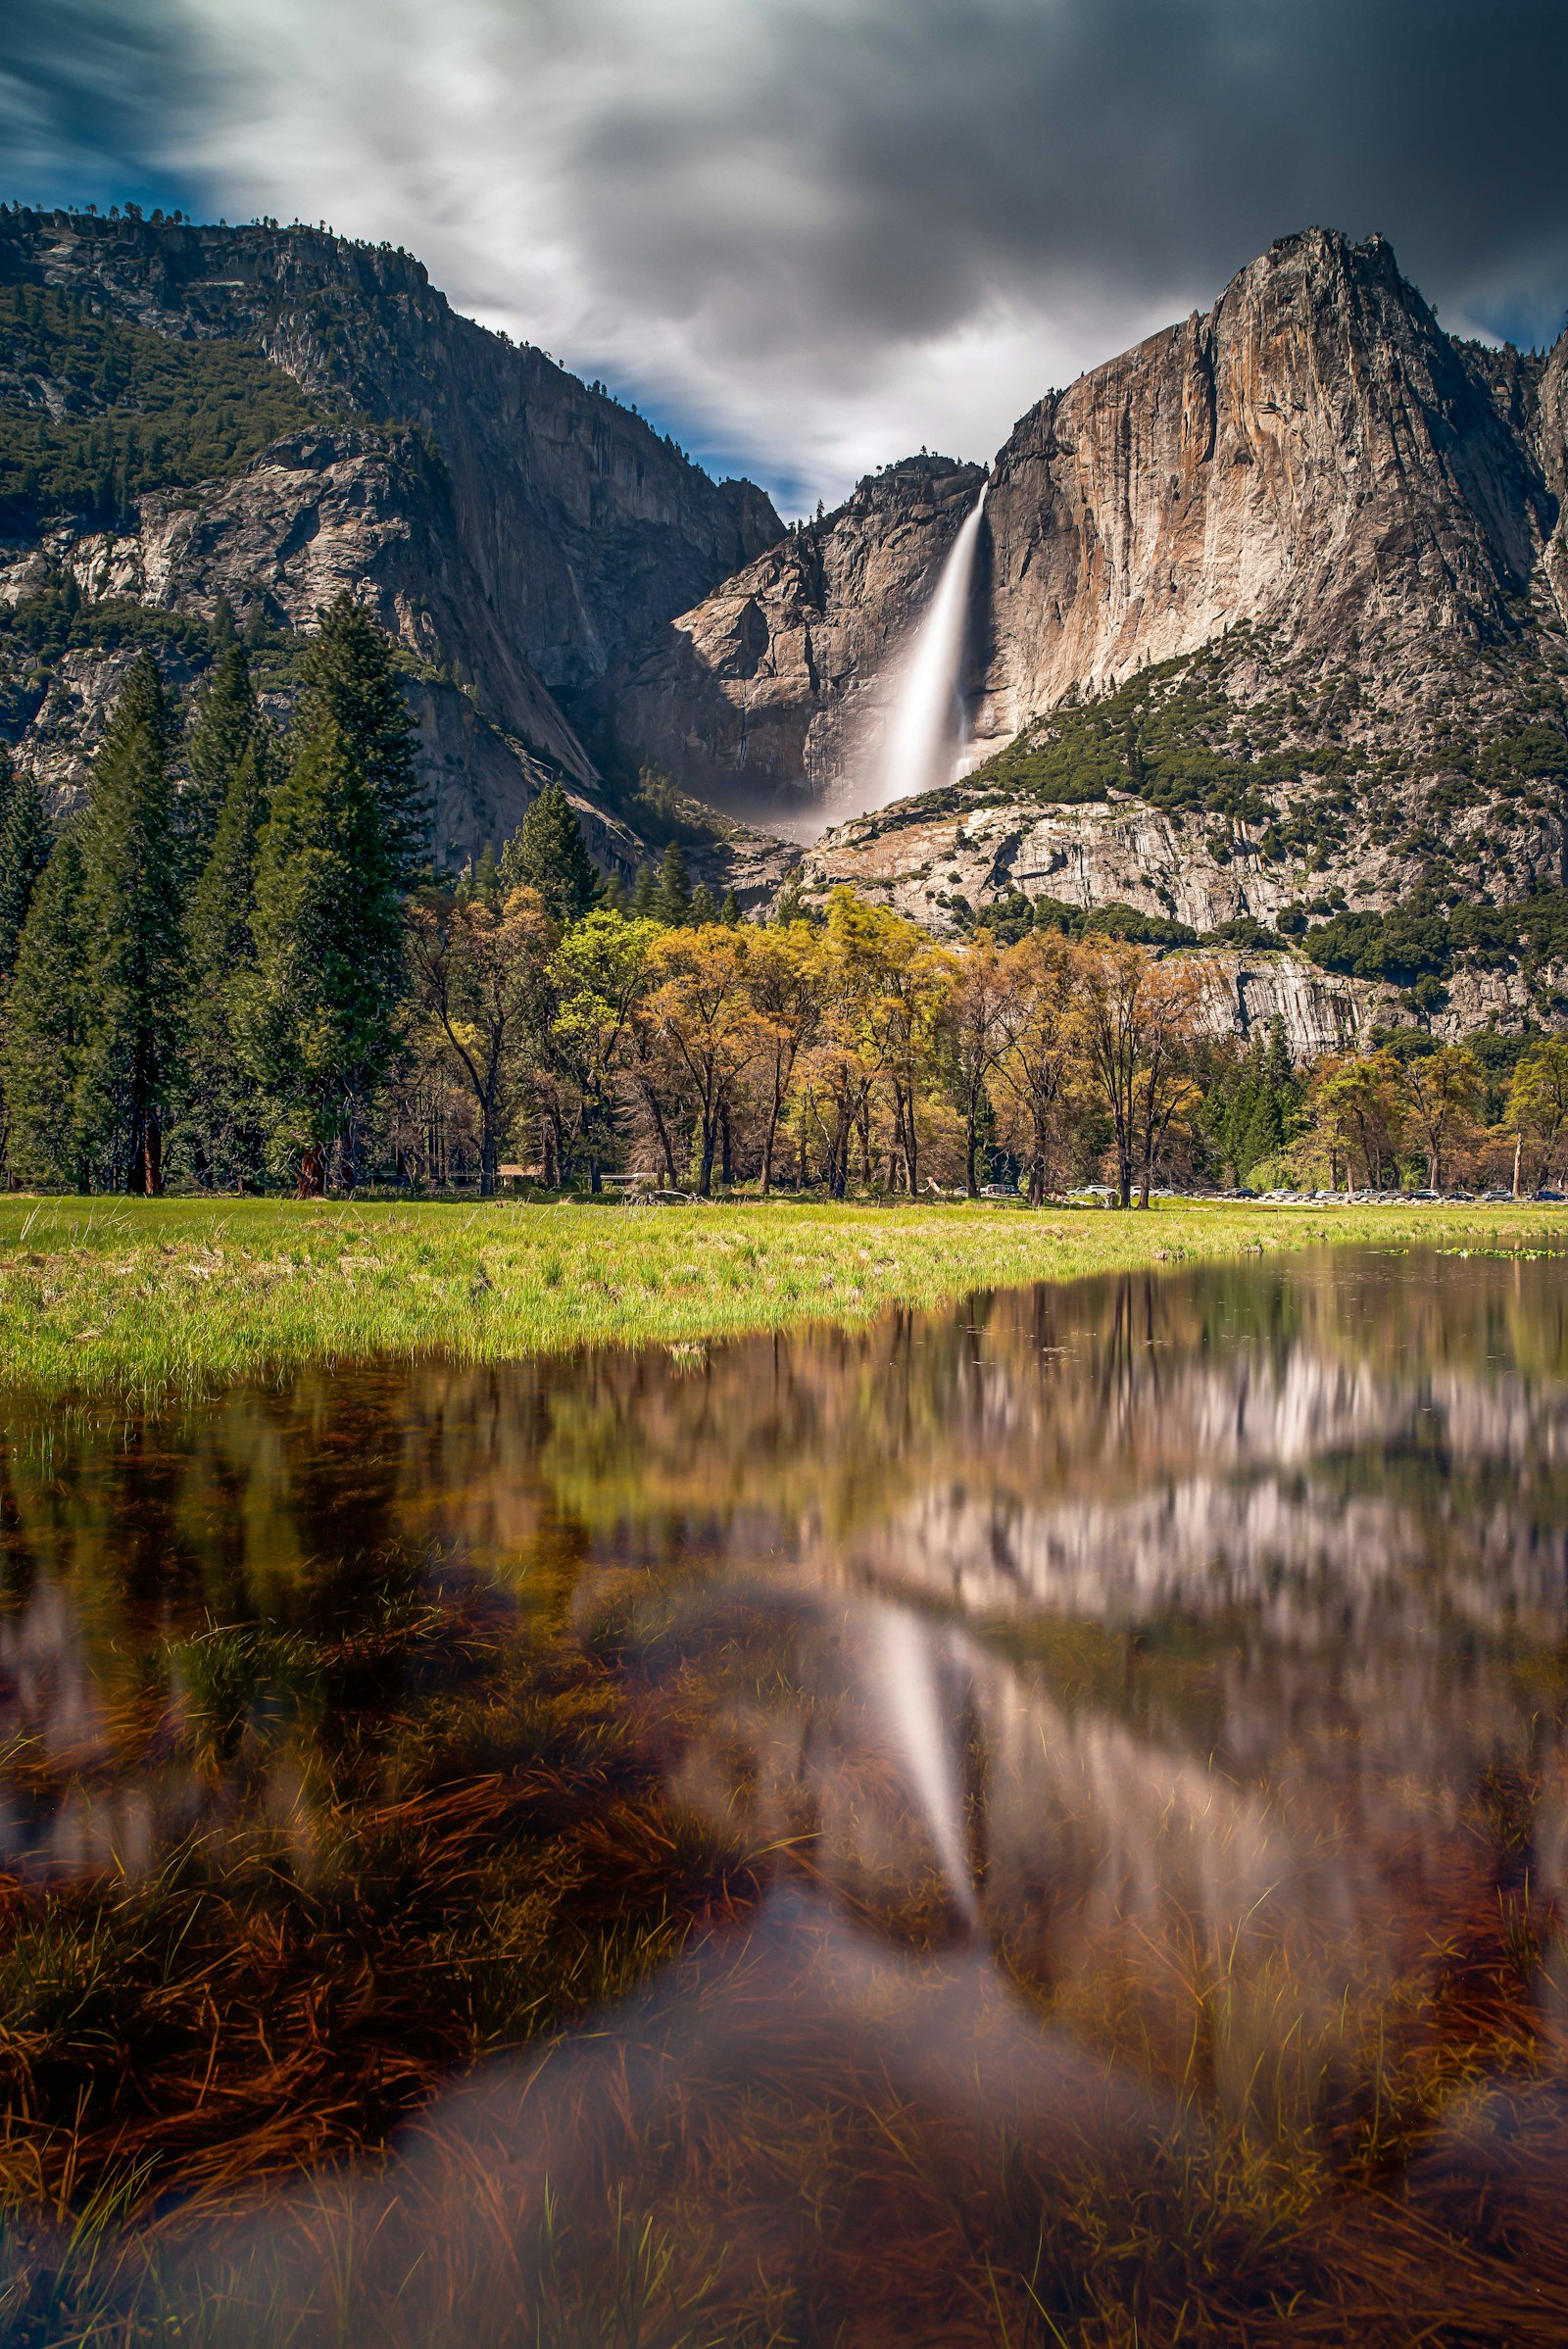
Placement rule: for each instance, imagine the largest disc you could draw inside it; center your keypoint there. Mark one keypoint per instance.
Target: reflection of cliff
(1279, 1838)
(1302, 1563)
(1336, 1478)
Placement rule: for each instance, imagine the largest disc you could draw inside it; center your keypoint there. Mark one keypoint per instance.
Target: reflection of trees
(1331, 1449)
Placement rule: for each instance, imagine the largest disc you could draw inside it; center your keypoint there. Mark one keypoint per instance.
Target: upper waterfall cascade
(925, 737)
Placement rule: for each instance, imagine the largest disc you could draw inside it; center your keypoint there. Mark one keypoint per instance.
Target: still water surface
(1041, 1822)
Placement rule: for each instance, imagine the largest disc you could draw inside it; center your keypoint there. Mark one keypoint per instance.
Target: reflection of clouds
(48, 1693)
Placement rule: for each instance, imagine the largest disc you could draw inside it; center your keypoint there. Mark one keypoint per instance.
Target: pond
(1042, 1823)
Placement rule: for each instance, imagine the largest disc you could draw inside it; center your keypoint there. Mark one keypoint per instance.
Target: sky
(810, 237)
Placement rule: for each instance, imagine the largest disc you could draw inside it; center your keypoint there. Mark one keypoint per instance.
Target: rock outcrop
(512, 528)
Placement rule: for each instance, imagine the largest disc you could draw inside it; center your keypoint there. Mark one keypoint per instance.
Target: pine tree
(26, 840)
(338, 851)
(704, 908)
(223, 1124)
(1265, 1131)
(484, 882)
(545, 853)
(223, 721)
(672, 892)
(729, 913)
(46, 1020)
(645, 894)
(130, 921)
(1277, 1063)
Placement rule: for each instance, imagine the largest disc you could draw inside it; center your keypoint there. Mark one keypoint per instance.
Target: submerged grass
(145, 1298)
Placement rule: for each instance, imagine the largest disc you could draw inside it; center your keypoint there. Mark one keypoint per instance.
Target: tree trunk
(726, 1153)
(770, 1136)
(662, 1130)
(1518, 1146)
(312, 1172)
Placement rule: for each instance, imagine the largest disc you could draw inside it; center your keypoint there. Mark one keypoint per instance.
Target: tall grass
(145, 1298)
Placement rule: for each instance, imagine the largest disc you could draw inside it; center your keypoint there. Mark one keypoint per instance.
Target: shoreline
(153, 1298)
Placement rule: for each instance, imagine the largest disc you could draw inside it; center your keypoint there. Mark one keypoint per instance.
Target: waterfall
(924, 740)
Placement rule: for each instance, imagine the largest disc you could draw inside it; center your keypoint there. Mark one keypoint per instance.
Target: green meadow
(170, 1296)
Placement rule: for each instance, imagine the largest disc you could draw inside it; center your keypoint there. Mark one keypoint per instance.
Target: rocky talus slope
(512, 526)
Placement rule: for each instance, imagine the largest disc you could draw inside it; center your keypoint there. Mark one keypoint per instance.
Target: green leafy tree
(599, 973)
(45, 1027)
(1537, 1101)
(337, 853)
(547, 855)
(704, 908)
(132, 923)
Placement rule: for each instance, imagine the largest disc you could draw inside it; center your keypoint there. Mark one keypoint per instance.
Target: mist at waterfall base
(919, 743)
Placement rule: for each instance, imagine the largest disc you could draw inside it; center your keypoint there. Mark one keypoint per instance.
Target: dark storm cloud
(944, 146)
(821, 231)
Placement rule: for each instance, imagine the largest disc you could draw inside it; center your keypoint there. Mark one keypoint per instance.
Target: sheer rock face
(1315, 456)
(511, 527)
(769, 692)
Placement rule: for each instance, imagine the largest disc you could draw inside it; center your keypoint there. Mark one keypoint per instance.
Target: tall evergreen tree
(703, 907)
(338, 851)
(130, 919)
(221, 1124)
(46, 1023)
(672, 894)
(222, 722)
(645, 894)
(26, 840)
(547, 852)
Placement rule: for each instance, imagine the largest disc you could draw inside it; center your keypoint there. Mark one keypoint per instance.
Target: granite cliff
(512, 528)
(1268, 624)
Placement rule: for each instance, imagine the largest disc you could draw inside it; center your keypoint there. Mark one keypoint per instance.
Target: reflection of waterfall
(924, 738)
(912, 1702)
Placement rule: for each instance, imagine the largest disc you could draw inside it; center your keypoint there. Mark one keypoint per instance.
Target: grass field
(168, 1295)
